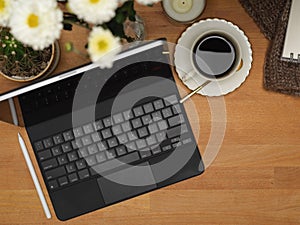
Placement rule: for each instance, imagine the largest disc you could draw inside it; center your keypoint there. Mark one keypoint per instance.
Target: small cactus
(19, 60)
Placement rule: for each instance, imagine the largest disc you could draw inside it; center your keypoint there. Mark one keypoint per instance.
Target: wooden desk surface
(253, 180)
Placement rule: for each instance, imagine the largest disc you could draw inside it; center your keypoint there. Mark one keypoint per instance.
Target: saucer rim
(235, 85)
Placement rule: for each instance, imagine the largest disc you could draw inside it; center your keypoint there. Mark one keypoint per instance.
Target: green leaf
(120, 18)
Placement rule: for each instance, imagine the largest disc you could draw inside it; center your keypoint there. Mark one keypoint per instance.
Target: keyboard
(128, 137)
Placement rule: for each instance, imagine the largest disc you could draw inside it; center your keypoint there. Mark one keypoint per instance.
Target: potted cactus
(19, 62)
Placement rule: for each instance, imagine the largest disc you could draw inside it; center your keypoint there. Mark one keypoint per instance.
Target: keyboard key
(138, 111)
(98, 125)
(153, 128)
(158, 104)
(83, 174)
(92, 149)
(126, 126)
(107, 121)
(71, 167)
(156, 116)
(78, 132)
(54, 173)
(112, 142)
(48, 143)
(102, 146)
(175, 131)
(49, 164)
(96, 137)
(148, 108)
(91, 160)
(62, 159)
(184, 129)
(106, 133)
(53, 184)
(100, 157)
(176, 139)
(63, 181)
(72, 156)
(56, 150)
(80, 164)
(116, 129)
(162, 125)
(141, 143)
(136, 123)
(186, 141)
(167, 112)
(73, 177)
(58, 139)
(111, 164)
(161, 136)
(38, 146)
(122, 139)
(43, 155)
(121, 150)
(83, 152)
(176, 109)
(68, 135)
(127, 115)
(146, 119)
(76, 144)
(170, 100)
(145, 153)
(178, 144)
(111, 154)
(118, 118)
(151, 140)
(167, 148)
(66, 147)
(88, 129)
(131, 147)
(132, 135)
(155, 149)
(143, 132)
(87, 140)
(174, 121)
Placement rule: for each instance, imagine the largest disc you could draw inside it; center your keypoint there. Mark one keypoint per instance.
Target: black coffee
(214, 56)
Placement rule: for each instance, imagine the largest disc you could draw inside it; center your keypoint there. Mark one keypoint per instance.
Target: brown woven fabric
(272, 18)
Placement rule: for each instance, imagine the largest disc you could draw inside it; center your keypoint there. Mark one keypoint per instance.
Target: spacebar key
(108, 165)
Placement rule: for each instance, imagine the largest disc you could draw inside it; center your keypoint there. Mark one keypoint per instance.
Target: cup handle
(240, 66)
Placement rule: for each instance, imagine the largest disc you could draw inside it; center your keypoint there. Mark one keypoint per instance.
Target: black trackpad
(126, 183)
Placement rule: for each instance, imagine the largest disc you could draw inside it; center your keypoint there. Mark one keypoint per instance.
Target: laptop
(101, 136)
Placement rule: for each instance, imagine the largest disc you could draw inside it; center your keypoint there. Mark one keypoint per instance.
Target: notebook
(291, 49)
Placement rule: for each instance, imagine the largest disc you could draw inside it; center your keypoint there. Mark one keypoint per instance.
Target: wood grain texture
(253, 180)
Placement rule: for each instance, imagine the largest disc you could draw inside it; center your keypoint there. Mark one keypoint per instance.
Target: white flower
(94, 11)
(36, 23)
(5, 10)
(103, 47)
(147, 2)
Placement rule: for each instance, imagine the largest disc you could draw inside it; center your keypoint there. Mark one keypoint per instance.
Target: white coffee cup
(216, 55)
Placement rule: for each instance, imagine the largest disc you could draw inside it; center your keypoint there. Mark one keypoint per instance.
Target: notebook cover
(291, 49)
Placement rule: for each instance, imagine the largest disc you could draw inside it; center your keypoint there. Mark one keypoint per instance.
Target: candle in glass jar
(183, 10)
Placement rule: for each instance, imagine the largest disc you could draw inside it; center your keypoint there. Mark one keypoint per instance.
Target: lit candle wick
(182, 6)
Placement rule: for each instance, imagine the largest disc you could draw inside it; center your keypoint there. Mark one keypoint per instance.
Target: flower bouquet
(30, 27)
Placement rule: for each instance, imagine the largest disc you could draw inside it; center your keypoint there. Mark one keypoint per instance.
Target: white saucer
(184, 66)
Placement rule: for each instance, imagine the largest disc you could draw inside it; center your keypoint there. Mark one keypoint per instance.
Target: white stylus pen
(34, 177)
(13, 111)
